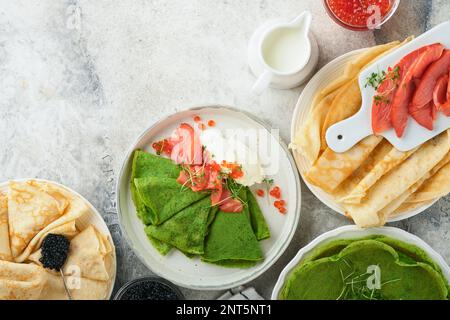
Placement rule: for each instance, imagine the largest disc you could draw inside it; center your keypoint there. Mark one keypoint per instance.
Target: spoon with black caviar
(54, 250)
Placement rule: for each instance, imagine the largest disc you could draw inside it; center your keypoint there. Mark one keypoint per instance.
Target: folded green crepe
(231, 241)
(148, 165)
(178, 217)
(164, 197)
(257, 219)
(187, 229)
(345, 275)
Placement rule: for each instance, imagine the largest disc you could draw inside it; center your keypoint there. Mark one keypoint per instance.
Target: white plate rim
(92, 209)
(295, 122)
(267, 263)
(393, 232)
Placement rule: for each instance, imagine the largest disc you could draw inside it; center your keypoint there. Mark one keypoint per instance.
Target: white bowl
(351, 232)
(320, 80)
(193, 273)
(93, 218)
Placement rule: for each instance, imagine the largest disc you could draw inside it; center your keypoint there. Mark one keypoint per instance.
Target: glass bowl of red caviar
(361, 15)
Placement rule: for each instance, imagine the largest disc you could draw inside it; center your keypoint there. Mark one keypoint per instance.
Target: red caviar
(201, 126)
(163, 147)
(357, 13)
(260, 192)
(279, 203)
(211, 123)
(236, 169)
(197, 119)
(275, 192)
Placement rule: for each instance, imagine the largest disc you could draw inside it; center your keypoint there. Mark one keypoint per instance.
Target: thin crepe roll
(307, 138)
(376, 156)
(332, 168)
(436, 186)
(396, 182)
(391, 208)
(406, 207)
(397, 203)
(382, 166)
(345, 104)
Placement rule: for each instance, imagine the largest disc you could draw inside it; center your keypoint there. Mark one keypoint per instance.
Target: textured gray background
(79, 80)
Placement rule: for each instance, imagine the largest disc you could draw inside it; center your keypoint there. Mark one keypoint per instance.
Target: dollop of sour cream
(229, 148)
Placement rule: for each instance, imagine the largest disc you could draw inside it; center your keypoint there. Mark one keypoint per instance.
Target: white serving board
(345, 134)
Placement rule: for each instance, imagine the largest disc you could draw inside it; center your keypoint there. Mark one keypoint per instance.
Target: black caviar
(149, 290)
(54, 251)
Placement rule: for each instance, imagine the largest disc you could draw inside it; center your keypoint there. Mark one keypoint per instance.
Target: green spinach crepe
(176, 216)
(164, 197)
(186, 231)
(339, 270)
(231, 241)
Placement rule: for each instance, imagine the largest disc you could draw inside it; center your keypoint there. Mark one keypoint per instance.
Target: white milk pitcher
(284, 50)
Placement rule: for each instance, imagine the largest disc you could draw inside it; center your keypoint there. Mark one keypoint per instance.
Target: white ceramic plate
(93, 218)
(193, 273)
(349, 232)
(321, 79)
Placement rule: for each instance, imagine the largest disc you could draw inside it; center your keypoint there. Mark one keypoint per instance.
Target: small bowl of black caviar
(149, 288)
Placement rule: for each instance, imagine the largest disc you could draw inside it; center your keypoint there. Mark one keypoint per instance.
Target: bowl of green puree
(350, 263)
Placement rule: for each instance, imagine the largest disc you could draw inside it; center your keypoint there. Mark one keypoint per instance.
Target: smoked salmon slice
(445, 108)
(413, 69)
(381, 108)
(187, 148)
(440, 91)
(424, 115)
(424, 92)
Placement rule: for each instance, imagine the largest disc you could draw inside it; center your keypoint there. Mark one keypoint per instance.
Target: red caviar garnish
(211, 123)
(279, 203)
(163, 147)
(197, 119)
(236, 169)
(260, 192)
(275, 192)
(282, 210)
(201, 126)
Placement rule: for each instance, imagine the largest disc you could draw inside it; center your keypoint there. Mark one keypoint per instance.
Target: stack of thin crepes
(372, 181)
(28, 212)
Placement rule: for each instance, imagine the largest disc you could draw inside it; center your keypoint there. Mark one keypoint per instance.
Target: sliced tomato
(424, 115)
(412, 69)
(424, 92)
(440, 91)
(187, 148)
(229, 204)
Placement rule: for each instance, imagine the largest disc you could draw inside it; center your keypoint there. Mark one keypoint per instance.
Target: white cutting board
(345, 134)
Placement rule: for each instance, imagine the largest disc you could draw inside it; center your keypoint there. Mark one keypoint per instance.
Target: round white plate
(350, 232)
(193, 273)
(321, 79)
(93, 218)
